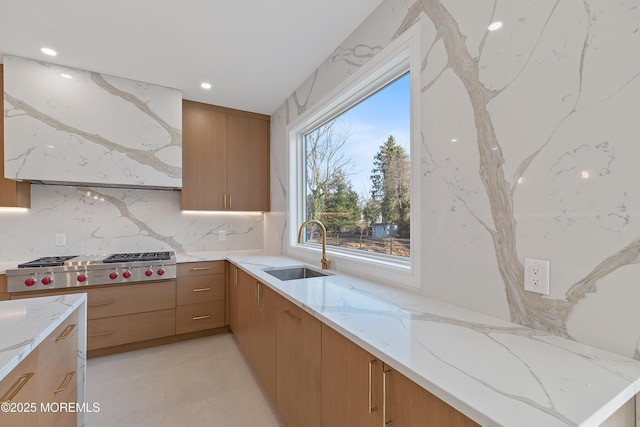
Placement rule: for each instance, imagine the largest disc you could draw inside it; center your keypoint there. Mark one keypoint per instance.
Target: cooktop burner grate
(138, 257)
(50, 261)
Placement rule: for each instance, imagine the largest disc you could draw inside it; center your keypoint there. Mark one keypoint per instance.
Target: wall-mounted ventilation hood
(70, 126)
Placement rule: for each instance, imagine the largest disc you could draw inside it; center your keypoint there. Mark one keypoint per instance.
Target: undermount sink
(295, 273)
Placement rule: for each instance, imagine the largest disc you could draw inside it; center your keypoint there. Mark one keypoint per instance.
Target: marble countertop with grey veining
(25, 323)
(496, 372)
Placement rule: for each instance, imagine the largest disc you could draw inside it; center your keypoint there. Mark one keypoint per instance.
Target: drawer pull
(200, 268)
(371, 407)
(101, 334)
(95, 304)
(293, 316)
(16, 387)
(201, 290)
(65, 382)
(67, 331)
(201, 317)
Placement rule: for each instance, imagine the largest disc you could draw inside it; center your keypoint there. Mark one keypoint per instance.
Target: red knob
(113, 275)
(160, 271)
(126, 274)
(47, 280)
(82, 278)
(30, 281)
(148, 272)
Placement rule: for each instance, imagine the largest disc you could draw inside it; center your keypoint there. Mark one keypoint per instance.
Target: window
(351, 169)
(357, 174)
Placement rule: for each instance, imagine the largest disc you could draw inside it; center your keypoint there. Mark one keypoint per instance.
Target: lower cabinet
(48, 376)
(200, 296)
(358, 389)
(321, 377)
(253, 322)
(299, 365)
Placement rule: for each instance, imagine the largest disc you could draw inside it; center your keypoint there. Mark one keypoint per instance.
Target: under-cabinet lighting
(495, 26)
(66, 76)
(9, 210)
(248, 213)
(48, 51)
(205, 85)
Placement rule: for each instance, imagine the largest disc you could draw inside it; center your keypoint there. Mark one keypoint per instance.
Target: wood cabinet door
(264, 348)
(350, 383)
(299, 365)
(204, 157)
(408, 404)
(248, 163)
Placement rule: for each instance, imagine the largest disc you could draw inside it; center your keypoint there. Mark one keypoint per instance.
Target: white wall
(545, 112)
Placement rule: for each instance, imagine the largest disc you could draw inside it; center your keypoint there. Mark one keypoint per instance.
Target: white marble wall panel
(110, 220)
(89, 127)
(545, 114)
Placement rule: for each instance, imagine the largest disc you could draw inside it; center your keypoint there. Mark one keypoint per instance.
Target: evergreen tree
(390, 188)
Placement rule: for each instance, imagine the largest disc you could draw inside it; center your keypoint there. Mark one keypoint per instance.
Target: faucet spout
(325, 262)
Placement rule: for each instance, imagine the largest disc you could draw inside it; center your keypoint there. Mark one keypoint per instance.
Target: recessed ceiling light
(205, 85)
(495, 26)
(48, 51)
(66, 76)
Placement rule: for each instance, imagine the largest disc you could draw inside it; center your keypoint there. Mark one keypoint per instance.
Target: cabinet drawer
(65, 333)
(129, 299)
(197, 289)
(58, 382)
(197, 317)
(118, 330)
(200, 268)
(20, 386)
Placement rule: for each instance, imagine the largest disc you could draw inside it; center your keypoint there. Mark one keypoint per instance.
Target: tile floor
(202, 382)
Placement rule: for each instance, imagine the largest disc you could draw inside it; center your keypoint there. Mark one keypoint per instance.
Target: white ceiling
(254, 52)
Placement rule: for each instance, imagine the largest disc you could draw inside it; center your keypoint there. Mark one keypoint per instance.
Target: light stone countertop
(496, 372)
(25, 323)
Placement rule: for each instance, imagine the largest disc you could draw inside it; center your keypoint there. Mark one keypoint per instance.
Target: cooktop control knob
(126, 274)
(82, 277)
(113, 275)
(30, 281)
(148, 273)
(160, 271)
(47, 280)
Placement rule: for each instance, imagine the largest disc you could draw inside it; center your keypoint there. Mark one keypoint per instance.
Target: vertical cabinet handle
(224, 201)
(229, 201)
(371, 407)
(236, 276)
(385, 423)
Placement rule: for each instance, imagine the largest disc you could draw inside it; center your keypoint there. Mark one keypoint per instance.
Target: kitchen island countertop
(496, 372)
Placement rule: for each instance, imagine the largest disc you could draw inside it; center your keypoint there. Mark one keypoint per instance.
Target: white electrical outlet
(222, 235)
(536, 276)
(60, 239)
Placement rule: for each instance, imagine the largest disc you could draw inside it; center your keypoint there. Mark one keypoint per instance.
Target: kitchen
(561, 88)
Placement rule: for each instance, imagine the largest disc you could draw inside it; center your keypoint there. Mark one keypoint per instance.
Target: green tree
(342, 209)
(390, 190)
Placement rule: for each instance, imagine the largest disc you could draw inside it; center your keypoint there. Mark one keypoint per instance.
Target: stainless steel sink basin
(294, 273)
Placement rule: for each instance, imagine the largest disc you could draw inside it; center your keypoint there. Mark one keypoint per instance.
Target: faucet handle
(325, 263)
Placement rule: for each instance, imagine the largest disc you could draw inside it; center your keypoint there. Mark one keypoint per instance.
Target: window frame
(398, 58)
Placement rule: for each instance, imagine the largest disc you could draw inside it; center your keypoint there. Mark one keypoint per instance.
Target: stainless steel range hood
(74, 127)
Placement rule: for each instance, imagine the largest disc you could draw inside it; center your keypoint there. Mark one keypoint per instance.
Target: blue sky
(371, 122)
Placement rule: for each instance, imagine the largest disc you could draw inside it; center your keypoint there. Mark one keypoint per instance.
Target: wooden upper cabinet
(225, 159)
(12, 193)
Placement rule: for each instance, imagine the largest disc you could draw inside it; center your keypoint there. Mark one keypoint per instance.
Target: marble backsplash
(111, 220)
(529, 145)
